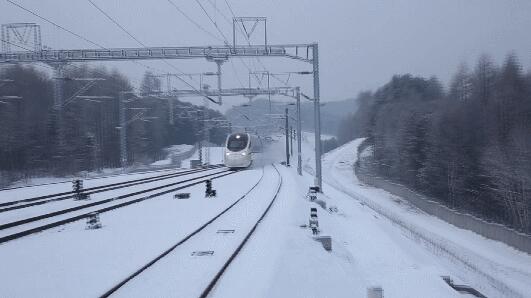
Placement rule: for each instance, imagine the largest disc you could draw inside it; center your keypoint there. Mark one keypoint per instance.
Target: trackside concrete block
(93, 221)
(195, 163)
(326, 241)
(375, 292)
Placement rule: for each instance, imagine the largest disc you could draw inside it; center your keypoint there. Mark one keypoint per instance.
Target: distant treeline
(468, 147)
(29, 144)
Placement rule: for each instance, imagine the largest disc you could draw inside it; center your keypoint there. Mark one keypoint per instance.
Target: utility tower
(21, 36)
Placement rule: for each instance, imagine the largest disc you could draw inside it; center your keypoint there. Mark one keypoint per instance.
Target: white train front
(238, 150)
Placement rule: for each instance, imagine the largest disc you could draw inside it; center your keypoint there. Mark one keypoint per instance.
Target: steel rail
(216, 278)
(95, 189)
(106, 209)
(139, 172)
(180, 242)
(104, 201)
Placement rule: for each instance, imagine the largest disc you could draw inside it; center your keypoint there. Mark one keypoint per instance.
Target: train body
(239, 150)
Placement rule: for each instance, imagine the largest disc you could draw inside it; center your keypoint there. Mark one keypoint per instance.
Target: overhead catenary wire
(138, 41)
(220, 12)
(116, 23)
(32, 12)
(213, 22)
(55, 24)
(248, 41)
(93, 42)
(223, 36)
(194, 22)
(191, 20)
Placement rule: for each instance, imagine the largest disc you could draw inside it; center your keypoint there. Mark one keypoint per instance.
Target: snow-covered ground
(172, 153)
(103, 174)
(377, 240)
(215, 156)
(71, 261)
(157, 166)
(492, 267)
(12, 216)
(64, 186)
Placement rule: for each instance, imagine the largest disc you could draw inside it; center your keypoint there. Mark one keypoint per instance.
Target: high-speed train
(239, 149)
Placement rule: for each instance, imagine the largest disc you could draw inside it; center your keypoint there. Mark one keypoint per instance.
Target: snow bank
(490, 266)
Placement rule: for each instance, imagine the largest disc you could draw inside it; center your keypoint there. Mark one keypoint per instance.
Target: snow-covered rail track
(105, 176)
(136, 197)
(39, 200)
(242, 221)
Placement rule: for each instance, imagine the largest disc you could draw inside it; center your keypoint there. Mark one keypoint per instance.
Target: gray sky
(362, 42)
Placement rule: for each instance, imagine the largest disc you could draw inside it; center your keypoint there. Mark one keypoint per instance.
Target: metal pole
(299, 133)
(205, 133)
(123, 130)
(269, 93)
(170, 100)
(317, 117)
(58, 103)
(170, 107)
(287, 135)
(265, 34)
(234, 33)
(219, 62)
(200, 143)
(291, 136)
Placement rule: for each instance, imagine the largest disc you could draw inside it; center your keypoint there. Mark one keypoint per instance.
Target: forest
(90, 124)
(467, 146)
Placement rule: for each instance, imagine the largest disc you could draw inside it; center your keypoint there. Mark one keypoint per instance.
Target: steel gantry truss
(302, 52)
(22, 35)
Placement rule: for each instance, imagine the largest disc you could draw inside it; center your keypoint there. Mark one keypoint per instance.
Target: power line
(60, 27)
(116, 23)
(84, 38)
(230, 8)
(213, 22)
(56, 25)
(236, 74)
(220, 12)
(194, 22)
(225, 38)
(140, 43)
(207, 32)
(248, 40)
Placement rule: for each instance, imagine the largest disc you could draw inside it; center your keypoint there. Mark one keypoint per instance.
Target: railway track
(39, 200)
(219, 273)
(149, 194)
(88, 178)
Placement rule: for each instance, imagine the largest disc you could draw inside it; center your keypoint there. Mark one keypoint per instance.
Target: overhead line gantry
(303, 52)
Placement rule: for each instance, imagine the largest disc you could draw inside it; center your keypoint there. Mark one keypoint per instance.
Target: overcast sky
(362, 42)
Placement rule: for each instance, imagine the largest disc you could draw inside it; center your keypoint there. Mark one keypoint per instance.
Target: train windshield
(237, 142)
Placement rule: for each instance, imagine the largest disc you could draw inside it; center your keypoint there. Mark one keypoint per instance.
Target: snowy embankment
(215, 156)
(490, 266)
(174, 154)
(25, 192)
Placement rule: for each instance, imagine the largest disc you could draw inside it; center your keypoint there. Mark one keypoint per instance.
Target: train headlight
(227, 154)
(243, 153)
